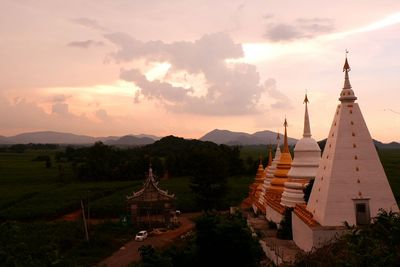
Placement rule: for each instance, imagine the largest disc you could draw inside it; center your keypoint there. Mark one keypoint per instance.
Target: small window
(362, 212)
(351, 112)
(360, 207)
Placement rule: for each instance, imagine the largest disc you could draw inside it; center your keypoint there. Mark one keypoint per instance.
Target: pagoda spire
(347, 94)
(269, 156)
(307, 128)
(285, 139)
(346, 69)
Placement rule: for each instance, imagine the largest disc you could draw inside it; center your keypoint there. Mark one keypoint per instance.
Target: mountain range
(241, 138)
(216, 136)
(49, 137)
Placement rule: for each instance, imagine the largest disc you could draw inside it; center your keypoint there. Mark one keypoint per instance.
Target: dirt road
(129, 252)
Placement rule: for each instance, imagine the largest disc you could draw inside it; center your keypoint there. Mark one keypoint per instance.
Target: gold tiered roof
(283, 166)
(274, 193)
(254, 187)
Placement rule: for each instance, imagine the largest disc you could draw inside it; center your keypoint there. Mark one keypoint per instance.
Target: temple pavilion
(151, 206)
(350, 183)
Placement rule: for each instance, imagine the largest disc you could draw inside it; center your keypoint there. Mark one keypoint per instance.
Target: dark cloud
(89, 23)
(301, 28)
(156, 89)
(232, 89)
(85, 44)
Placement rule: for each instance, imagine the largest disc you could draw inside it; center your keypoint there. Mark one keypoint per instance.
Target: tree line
(172, 156)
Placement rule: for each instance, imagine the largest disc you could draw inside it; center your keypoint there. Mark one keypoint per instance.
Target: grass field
(30, 191)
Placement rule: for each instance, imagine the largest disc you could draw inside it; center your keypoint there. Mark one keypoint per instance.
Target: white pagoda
(307, 156)
(350, 184)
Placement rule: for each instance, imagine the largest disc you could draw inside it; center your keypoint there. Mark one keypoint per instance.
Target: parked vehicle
(141, 236)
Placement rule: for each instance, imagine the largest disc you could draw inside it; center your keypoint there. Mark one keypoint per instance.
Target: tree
(377, 244)
(209, 183)
(226, 241)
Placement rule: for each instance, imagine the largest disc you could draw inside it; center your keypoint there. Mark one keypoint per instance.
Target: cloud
(156, 89)
(282, 101)
(28, 115)
(60, 109)
(102, 115)
(301, 28)
(59, 98)
(89, 23)
(85, 44)
(232, 88)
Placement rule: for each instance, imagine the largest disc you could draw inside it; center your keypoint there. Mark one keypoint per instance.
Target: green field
(30, 191)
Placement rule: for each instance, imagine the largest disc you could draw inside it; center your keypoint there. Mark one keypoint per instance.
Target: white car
(141, 236)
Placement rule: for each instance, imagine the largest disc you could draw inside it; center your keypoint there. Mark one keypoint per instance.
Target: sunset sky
(116, 67)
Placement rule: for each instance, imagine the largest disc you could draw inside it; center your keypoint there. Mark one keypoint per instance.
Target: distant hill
(131, 140)
(241, 138)
(378, 144)
(390, 145)
(49, 137)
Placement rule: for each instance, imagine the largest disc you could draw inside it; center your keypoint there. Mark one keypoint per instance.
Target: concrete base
(308, 237)
(273, 215)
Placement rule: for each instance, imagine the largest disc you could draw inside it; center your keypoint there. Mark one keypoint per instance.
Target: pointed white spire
(278, 144)
(347, 94)
(346, 69)
(307, 128)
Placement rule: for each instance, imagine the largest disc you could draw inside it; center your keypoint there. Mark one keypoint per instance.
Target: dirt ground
(129, 252)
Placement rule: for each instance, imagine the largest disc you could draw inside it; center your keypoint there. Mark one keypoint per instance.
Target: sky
(117, 67)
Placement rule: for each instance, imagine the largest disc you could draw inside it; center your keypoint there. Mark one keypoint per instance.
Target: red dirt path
(129, 252)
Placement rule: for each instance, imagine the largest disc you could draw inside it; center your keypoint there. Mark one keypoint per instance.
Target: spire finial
(347, 94)
(269, 156)
(307, 128)
(346, 66)
(285, 140)
(306, 99)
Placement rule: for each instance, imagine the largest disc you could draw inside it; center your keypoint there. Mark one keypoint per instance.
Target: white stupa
(271, 170)
(350, 185)
(307, 156)
(261, 199)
